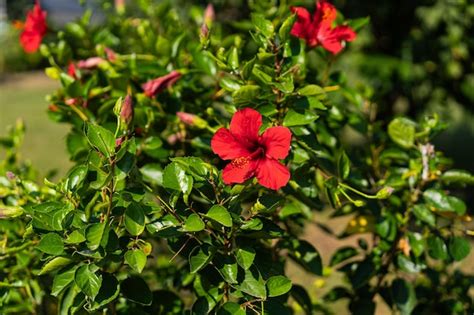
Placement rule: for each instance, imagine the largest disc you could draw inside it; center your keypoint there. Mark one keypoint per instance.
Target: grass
(22, 96)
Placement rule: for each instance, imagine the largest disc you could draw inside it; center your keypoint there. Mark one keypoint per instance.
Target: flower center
(240, 162)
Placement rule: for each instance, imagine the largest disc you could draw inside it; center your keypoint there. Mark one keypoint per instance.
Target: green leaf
(437, 248)
(233, 58)
(136, 259)
(55, 264)
(194, 223)
(152, 173)
(459, 248)
(424, 214)
(307, 256)
(94, 235)
(246, 94)
(227, 267)
(134, 219)
(301, 296)
(49, 215)
(87, 280)
(245, 256)
(253, 284)
(417, 243)
(102, 139)
(407, 265)
(278, 285)
(402, 131)
(175, 177)
(220, 215)
(458, 177)
(76, 237)
(76, 176)
(231, 308)
(109, 291)
(63, 280)
(311, 90)
(343, 165)
(51, 244)
(262, 25)
(299, 118)
(441, 202)
(136, 290)
(285, 28)
(200, 257)
(342, 254)
(404, 296)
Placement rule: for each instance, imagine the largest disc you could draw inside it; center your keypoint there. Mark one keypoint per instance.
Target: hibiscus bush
(202, 148)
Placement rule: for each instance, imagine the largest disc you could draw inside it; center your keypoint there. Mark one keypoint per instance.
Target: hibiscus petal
(237, 173)
(333, 39)
(276, 141)
(225, 145)
(300, 27)
(245, 125)
(272, 174)
(325, 12)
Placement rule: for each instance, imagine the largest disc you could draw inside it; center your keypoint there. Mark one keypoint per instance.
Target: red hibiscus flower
(34, 29)
(252, 154)
(153, 87)
(318, 30)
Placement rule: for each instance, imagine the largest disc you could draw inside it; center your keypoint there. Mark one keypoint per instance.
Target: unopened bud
(120, 6)
(384, 193)
(192, 120)
(118, 142)
(126, 113)
(209, 14)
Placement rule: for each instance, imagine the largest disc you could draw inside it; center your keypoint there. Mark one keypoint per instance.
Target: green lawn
(23, 96)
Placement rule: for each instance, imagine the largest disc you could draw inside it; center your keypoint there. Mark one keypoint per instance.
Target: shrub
(152, 220)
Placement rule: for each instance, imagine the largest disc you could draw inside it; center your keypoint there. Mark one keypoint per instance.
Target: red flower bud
(209, 14)
(111, 55)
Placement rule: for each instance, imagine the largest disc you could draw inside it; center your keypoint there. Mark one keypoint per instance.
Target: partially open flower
(252, 154)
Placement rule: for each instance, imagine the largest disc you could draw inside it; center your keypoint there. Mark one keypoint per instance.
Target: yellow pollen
(240, 162)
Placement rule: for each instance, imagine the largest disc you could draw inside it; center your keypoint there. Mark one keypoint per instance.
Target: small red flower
(153, 87)
(252, 154)
(318, 30)
(34, 29)
(71, 70)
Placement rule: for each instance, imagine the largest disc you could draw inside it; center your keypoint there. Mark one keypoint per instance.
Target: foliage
(144, 224)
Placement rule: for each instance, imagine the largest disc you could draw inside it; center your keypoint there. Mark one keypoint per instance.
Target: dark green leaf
(343, 254)
(459, 248)
(253, 284)
(135, 289)
(404, 296)
(62, 280)
(175, 177)
(109, 291)
(231, 308)
(437, 248)
(294, 118)
(94, 235)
